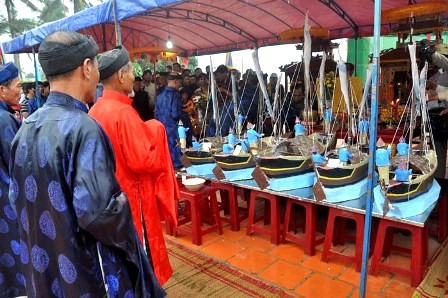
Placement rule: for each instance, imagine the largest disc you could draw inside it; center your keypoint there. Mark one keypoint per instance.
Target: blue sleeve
(176, 107)
(32, 106)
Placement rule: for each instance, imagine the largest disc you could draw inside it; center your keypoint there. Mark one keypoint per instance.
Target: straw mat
(435, 283)
(197, 275)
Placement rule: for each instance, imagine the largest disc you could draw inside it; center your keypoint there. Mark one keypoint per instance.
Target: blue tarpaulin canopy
(205, 26)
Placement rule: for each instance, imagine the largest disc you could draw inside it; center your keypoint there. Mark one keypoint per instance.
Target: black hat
(57, 58)
(112, 61)
(174, 76)
(221, 69)
(186, 90)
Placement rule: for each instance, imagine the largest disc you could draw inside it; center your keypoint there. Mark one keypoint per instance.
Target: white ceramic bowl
(194, 184)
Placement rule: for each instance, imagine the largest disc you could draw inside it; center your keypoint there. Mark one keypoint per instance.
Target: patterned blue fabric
(70, 209)
(11, 281)
(168, 109)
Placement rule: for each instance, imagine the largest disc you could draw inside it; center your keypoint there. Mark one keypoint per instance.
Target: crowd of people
(181, 98)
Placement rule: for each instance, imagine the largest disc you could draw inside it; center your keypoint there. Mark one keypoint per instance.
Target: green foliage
(146, 64)
(192, 63)
(137, 69)
(29, 76)
(16, 26)
(12, 25)
(53, 10)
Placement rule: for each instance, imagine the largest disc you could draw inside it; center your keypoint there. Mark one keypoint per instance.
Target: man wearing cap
(149, 86)
(39, 98)
(77, 237)
(225, 105)
(12, 284)
(273, 79)
(141, 158)
(140, 101)
(168, 111)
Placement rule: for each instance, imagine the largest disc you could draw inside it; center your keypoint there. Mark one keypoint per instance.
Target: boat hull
(282, 167)
(234, 162)
(341, 176)
(199, 157)
(403, 191)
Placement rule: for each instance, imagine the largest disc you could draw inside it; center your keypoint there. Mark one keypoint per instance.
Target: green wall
(365, 48)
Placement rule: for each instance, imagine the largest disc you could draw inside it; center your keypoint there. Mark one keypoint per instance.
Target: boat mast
(277, 109)
(344, 88)
(214, 100)
(306, 61)
(322, 84)
(235, 103)
(415, 95)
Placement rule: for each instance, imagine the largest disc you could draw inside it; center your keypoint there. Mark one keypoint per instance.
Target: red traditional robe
(144, 171)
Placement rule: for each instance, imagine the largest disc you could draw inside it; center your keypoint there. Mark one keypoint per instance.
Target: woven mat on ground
(435, 283)
(197, 275)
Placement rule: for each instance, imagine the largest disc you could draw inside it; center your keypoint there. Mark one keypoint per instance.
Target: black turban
(58, 58)
(112, 61)
(174, 76)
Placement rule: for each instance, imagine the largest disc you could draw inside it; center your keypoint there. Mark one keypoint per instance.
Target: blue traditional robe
(168, 109)
(11, 278)
(70, 209)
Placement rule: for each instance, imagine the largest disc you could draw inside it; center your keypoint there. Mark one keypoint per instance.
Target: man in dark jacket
(141, 101)
(168, 111)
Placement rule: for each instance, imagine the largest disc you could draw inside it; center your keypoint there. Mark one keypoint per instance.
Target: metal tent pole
(116, 23)
(373, 135)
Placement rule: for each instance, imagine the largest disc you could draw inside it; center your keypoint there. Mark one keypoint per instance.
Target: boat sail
(290, 157)
(348, 164)
(418, 166)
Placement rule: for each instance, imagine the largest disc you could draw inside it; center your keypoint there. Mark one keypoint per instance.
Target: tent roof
(199, 27)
